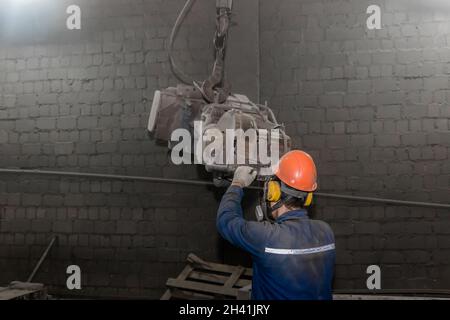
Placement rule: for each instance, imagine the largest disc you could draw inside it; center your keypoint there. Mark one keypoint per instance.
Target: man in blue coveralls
(293, 257)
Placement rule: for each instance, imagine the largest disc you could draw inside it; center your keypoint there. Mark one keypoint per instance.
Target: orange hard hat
(297, 170)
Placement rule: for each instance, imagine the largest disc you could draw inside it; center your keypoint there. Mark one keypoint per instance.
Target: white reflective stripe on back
(301, 251)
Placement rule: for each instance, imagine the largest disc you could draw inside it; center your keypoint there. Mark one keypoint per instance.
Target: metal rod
(107, 176)
(44, 255)
(382, 200)
(394, 291)
(209, 183)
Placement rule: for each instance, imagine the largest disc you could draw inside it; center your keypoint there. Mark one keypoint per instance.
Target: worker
(293, 256)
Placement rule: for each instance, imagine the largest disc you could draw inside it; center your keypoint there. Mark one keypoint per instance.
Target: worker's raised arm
(231, 224)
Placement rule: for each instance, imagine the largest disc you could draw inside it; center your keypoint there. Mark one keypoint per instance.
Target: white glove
(244, 176)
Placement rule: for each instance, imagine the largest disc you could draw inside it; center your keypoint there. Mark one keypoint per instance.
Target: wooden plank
(201, 287)
(234, 277)
(216, 278)
(10, 294)
(200, 264)
(182, 276)
(26, 285)
(185, 273)
(244, 293)
(206, 280)
(167, 295)
(188, 295)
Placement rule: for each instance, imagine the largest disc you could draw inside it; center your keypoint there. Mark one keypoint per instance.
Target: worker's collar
(295, 214)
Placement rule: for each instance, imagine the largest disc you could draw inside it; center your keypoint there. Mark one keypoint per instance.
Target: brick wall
(373, 108)
(79, 101)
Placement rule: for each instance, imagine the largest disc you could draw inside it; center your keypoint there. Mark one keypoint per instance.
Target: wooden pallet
(23, 291)
(201, 280)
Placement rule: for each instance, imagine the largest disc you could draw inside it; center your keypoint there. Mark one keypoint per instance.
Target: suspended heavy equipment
(202, 106)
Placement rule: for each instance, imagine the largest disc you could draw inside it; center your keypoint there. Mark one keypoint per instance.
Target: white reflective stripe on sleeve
(301, 251)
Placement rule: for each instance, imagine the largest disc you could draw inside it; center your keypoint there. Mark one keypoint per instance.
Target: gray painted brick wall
(79, 101)
(372, 108)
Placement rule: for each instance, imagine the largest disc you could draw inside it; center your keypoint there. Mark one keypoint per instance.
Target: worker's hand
(244, 176)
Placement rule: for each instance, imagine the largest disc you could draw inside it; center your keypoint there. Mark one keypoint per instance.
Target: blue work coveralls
(293, 258)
